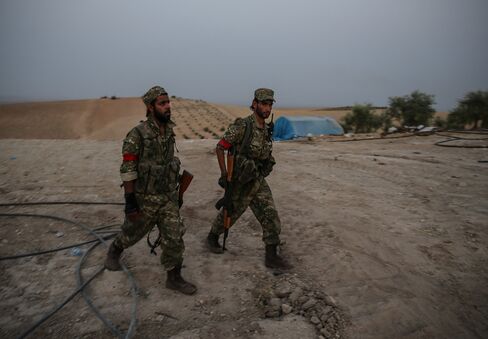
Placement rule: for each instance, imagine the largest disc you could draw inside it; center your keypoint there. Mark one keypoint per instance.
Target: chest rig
(254, 159)
(158, 168)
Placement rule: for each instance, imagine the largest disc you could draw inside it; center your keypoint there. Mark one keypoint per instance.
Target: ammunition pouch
(158, 179)
(245, 169)
(266, 166)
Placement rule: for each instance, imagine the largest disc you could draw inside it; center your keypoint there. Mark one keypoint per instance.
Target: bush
(456, 119)
(471, 110)
(362, 119)
(412, 110)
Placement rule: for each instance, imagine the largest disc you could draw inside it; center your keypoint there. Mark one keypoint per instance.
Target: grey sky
(312, 52)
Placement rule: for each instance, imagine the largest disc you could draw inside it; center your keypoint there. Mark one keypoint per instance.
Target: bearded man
(250, 139)
(150, 176)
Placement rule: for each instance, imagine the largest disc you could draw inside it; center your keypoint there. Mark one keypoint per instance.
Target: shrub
(362, 119)
(412, 110)
(471, 110)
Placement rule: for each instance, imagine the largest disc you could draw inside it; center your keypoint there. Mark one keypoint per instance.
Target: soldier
(150, 175)
(251, 141)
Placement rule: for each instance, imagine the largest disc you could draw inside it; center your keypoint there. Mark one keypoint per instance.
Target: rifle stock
(185, 181)
(228, 194)
(230, 170)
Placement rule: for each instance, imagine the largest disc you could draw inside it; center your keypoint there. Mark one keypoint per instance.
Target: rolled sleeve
(129, 176)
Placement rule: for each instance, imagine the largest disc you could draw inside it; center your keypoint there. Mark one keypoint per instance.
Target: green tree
(362, 119)
(386, 121)
(412, 110)
(471, 110)
(457, 118)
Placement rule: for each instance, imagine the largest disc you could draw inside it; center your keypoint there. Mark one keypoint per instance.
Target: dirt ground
(388, 239)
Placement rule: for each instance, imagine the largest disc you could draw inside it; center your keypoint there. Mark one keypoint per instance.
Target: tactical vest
(248, 165)
(158, 168)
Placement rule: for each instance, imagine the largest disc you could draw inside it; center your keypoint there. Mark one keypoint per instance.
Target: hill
(105, 119)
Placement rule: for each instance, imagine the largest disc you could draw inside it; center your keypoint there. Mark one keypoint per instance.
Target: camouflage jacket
(149, 158)
(258, 160)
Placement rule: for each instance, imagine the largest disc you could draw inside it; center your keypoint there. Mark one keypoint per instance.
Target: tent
(287, 127)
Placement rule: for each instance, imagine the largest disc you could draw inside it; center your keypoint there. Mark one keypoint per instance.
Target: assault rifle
(185, 181)
(226, 201)
(271, 128)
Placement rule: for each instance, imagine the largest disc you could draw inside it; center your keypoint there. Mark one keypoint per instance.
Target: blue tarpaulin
(289, 127)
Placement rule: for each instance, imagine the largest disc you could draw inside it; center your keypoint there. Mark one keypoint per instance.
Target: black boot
(213, 243)
(176, 282)
(273, 260)
(112, 261)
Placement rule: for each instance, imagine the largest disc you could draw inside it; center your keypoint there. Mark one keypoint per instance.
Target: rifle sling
(246, 141)
(156, 243)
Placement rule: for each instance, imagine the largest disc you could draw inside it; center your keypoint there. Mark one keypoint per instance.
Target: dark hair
(250, 107)
(150, 104)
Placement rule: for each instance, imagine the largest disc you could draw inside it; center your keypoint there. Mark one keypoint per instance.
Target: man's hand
(132, 211)
(134, 216)
(223, 180)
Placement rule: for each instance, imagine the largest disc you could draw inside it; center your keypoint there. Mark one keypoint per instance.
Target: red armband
(130, 157)
(224, 144)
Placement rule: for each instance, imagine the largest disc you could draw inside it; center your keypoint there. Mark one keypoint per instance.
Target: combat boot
(213, 243)
(176, 282)
(112, 262)
(273, 260)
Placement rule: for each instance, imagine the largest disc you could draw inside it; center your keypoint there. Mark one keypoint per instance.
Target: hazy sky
(312, 52)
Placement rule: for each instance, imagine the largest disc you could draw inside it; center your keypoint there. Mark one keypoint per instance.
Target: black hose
(80, 285)
(481, 131)
(439, 143)
(79, 282)
(57, 308)
(55, 249)
(443, 143)
(133, 290)
(59, 203)
(374, 138)
(111, 235)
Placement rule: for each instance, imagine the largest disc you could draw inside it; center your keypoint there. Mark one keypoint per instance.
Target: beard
(163, 117)
(262, 114)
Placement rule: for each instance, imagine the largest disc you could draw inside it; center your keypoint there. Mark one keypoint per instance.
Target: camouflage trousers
(161, 211)
(258, 196)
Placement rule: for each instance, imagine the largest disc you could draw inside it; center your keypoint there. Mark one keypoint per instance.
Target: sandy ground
(388, 239)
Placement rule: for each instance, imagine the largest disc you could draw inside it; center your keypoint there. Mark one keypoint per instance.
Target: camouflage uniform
(156, 171)
(250, 186)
